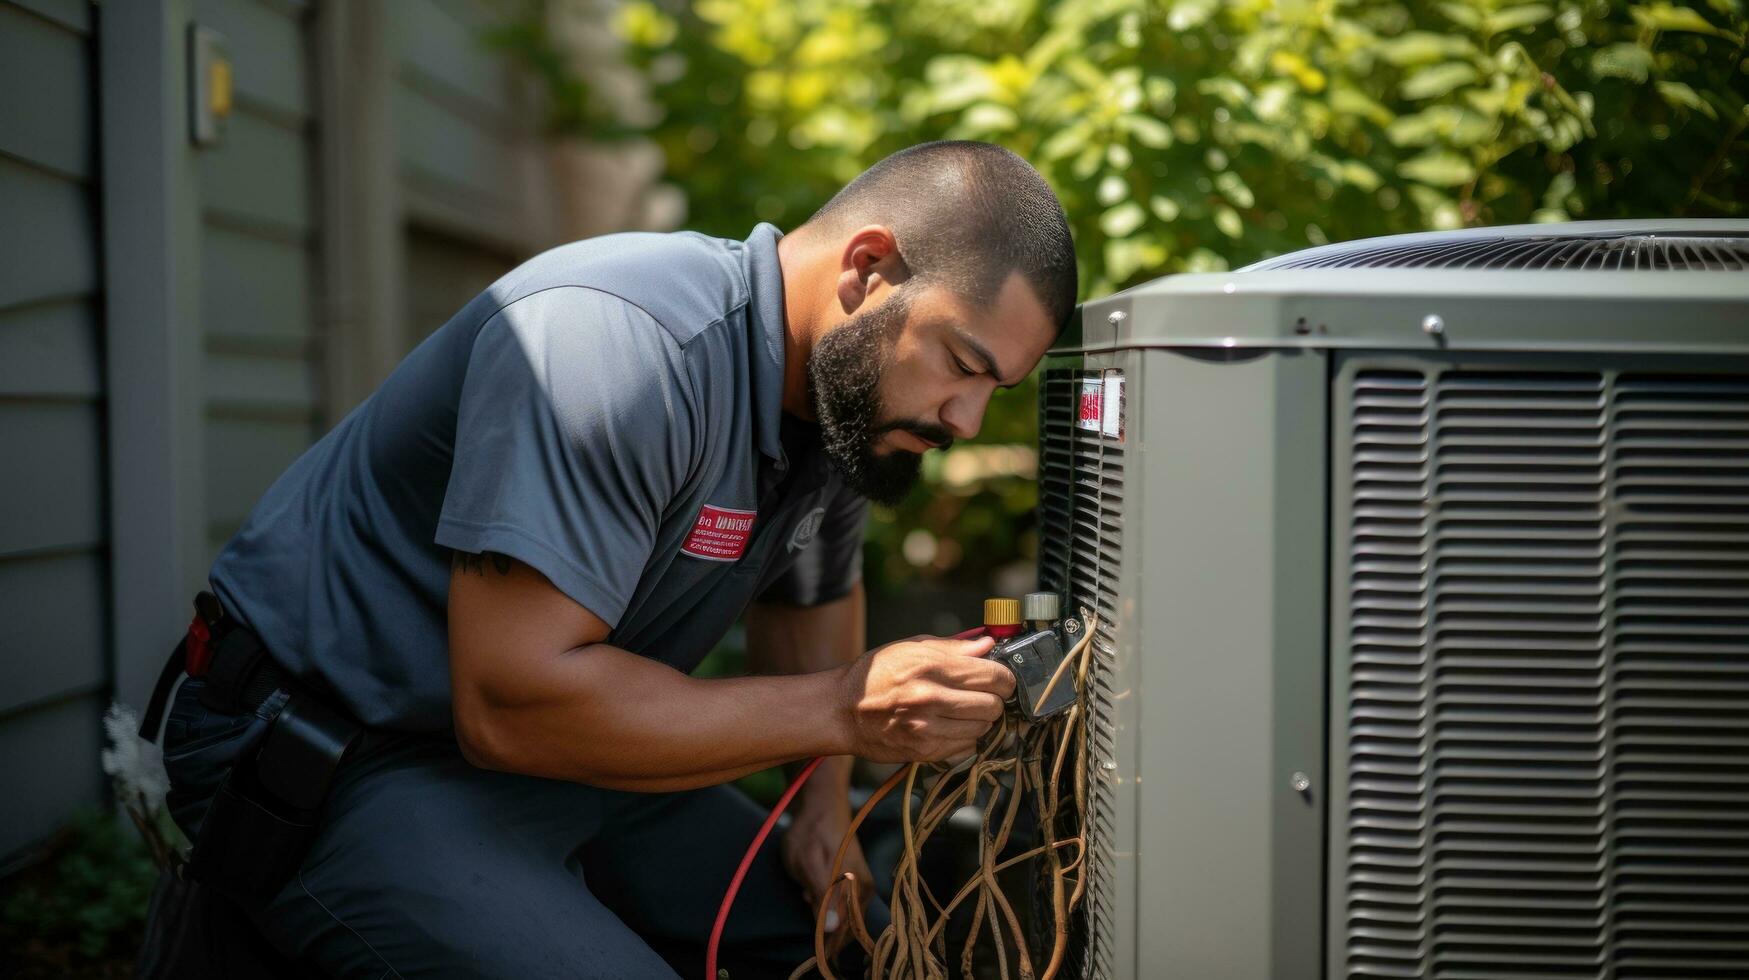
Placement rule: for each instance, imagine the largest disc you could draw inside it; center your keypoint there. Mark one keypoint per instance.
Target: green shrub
(84, 907)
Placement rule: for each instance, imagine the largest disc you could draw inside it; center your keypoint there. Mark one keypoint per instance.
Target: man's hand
(923, 699)
(808, 849)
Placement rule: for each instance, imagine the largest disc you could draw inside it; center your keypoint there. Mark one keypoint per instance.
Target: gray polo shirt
(608, 413)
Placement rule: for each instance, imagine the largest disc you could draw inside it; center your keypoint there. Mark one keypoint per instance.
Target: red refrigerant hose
(710, 956)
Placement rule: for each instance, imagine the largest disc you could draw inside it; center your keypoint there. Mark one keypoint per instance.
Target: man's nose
(964, 416)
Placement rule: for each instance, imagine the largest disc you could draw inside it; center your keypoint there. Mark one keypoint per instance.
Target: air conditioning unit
(1422, 566)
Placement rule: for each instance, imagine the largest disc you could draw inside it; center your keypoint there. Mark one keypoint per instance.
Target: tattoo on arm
(462, 562)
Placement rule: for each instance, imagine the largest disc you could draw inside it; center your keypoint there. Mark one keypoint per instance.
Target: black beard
(844, 383)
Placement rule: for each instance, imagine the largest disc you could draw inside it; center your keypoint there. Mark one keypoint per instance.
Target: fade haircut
(966, 215)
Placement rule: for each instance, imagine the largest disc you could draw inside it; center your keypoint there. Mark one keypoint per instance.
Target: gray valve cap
(1039, 606)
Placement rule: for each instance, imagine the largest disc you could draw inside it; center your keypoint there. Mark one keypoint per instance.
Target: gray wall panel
(267, 50)
(274, 388)
(254, 288)
(258, 313)
(52, 495)
(42, 787)
(245, 457)
(443, 274)
(52, 350)
(439, 144)
(64, 639)
(75, 15)
(46, 242)
(443, 44)
(259, 174)
(467, 162)
(53, 570)
(52, 124)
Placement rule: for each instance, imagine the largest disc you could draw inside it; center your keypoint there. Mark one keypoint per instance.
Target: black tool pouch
(264, 815)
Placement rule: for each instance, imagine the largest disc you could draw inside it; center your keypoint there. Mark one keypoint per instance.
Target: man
(505, 562)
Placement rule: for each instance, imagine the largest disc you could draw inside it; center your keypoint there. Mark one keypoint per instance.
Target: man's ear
(870, 257)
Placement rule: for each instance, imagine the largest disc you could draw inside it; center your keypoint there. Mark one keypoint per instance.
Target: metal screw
(1433, 325)
(1017, 658)
(1071, 626)
(1300, 782)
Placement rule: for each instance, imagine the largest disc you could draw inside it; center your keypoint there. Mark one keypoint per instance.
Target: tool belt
(263, 815)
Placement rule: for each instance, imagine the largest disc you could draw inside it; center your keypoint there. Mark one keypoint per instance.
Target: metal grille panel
(1081, 484)
(1547, 707)
(1630, 252)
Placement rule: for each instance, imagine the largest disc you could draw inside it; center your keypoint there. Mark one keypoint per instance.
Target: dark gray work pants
(426, 866)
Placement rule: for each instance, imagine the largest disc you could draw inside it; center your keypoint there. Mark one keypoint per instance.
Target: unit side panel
(1228, 518)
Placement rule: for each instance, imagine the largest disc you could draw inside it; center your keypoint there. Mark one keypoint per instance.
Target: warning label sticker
(1100, 406)
(719, 534)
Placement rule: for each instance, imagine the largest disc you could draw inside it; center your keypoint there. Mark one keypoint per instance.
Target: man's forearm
(794, 640)
(659, 730)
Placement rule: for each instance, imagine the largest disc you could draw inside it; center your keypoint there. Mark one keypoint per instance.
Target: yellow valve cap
(1001, 612)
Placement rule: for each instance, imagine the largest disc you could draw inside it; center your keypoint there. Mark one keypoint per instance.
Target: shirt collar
(765, 283)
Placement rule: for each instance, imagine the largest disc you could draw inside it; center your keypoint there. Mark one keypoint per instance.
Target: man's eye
(968, 372)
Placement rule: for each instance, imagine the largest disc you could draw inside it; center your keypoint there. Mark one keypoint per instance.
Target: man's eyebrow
(982, 353)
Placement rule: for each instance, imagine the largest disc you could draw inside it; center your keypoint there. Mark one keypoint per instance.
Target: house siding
(260, 338)
(53, 559)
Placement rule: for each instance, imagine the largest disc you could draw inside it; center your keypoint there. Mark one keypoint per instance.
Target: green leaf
(1112, 189)
(1146, 130)
(986, 117)
(1625, 60)
(1462, 14)
(1438, 168)
(1361, 176)
(1066, 142)
(1681, 95)
(1123, 219)
(1235, 190)
(1087, 162)
(1124, 257)
(1667, 17)
(1419, 130)
(1186, 14)
(1349, 101)
(1524, 15)
(1423, 47)
(1206, 260)
(1437, 80)
(1228, 221)
(956, 81)
(1228, 90)
(1164, 208)
(1457, 126)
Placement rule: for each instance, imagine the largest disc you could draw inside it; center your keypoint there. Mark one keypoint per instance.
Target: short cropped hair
(966, 214)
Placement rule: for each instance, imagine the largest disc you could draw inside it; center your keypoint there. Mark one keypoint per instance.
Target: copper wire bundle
(915, 944)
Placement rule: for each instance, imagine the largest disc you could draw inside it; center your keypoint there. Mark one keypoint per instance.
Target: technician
(482, 593)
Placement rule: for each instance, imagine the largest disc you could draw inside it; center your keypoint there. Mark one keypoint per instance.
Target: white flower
(136, 765)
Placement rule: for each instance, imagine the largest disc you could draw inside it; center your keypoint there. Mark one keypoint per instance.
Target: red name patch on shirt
(719, 534)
